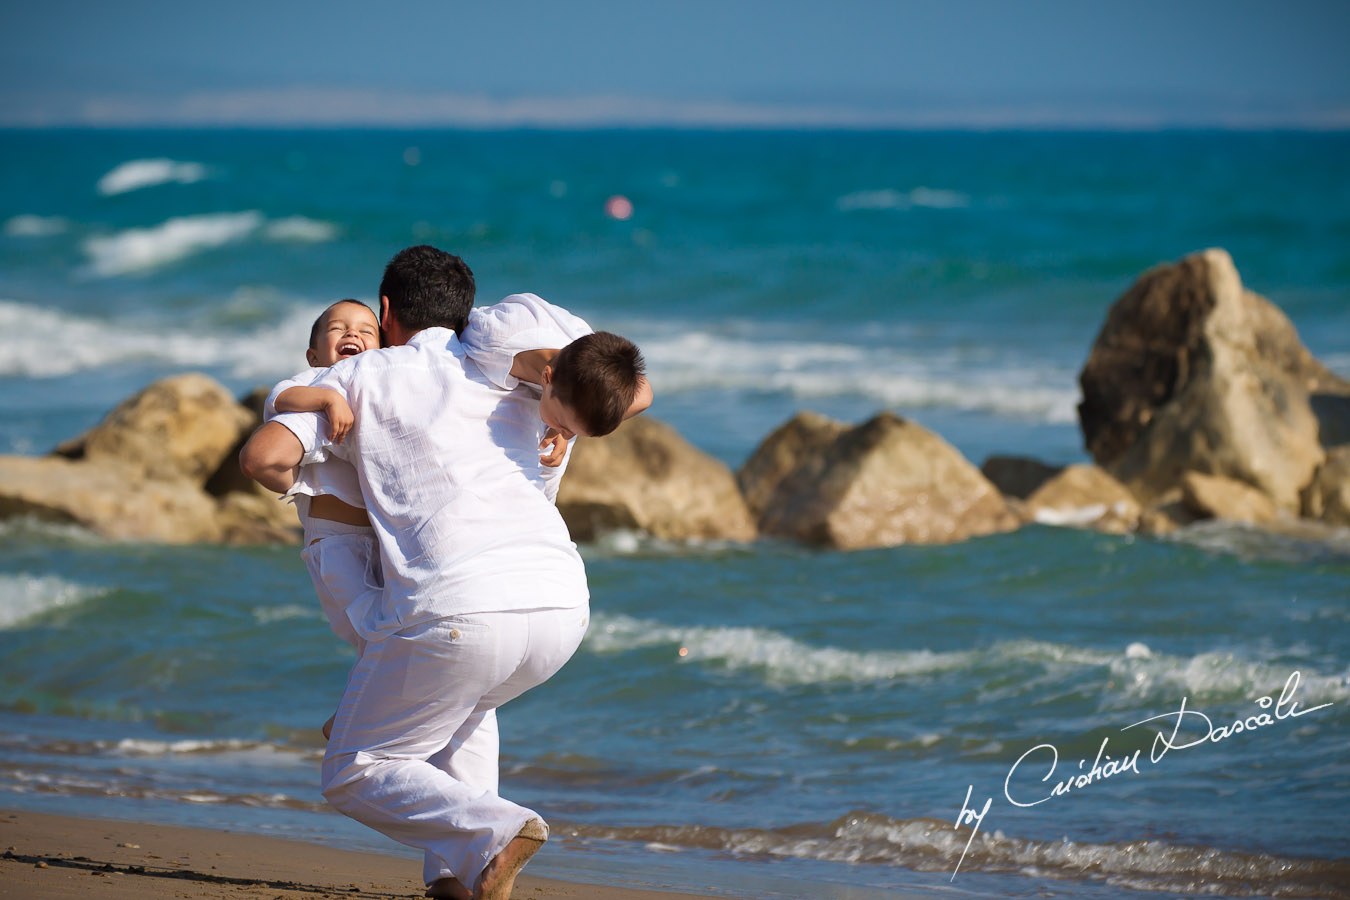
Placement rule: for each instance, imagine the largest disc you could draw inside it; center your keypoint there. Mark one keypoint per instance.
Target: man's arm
(271, 456)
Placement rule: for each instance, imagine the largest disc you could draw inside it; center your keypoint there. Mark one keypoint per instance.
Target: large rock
(257, 517)
(1085, 496)
(645, 476)
(1018, 476)
(107, 498)
(1328, 496)
(179, 428)
(805, 435)
(1193, 373)
(1216, 497)
(883, 483)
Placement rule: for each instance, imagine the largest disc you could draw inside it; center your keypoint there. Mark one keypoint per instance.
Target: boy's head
(426, 287)
(590, 385)
(346, 328)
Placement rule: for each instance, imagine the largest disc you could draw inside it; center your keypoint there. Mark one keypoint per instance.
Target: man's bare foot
(448, 889)
(328, 727)
(499, 877)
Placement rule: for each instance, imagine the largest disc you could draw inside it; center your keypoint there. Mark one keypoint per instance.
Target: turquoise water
(766, 720)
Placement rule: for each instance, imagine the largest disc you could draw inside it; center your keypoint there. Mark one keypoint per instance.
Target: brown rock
(1193, 373)
(107, 498)
(257, 517)
(1087, 496)
(882, 483)
(804, 435)
(1018, 476)
(1216, 497)
(1328, 496)
(646, 476)
(179, 428)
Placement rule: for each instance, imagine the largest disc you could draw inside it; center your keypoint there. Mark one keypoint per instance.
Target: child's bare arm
(642, 399)
(319, 400)
(528, 365)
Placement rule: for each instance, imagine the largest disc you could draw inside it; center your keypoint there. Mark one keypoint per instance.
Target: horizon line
(311, 109)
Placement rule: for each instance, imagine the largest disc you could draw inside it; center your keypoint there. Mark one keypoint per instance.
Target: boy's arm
(642, 399)
(528, 365)
(271, 456)
(319, 400)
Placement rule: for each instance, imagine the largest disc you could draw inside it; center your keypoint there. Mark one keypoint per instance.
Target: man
(485, 595)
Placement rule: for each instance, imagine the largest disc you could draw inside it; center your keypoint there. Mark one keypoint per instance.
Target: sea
(1041, 714)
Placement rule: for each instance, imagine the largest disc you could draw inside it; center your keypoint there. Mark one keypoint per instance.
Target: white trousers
(344, 564)
(413, 752)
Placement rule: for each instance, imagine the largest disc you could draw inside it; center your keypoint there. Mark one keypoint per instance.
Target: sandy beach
(58, 856)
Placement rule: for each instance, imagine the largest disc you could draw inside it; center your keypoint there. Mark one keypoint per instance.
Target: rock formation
(1192, 373)
(645, 476)
(882, 483)
(1085, 496)
(160, 467)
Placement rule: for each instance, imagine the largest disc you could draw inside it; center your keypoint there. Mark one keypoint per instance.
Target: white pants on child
(344, 563)
(413, 752)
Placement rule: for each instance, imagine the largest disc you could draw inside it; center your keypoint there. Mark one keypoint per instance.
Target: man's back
(449, 468)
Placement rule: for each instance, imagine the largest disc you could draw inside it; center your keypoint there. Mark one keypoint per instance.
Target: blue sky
(962, 63)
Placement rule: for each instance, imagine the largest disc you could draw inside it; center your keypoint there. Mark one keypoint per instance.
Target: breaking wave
(24, 596)
(891, 376)
(143, 173)
(929, 845)
(1133, 673)
(142, 249)
(27, 225)
(50, 344)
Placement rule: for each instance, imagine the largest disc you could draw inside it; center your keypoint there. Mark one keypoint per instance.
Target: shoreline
(54, 856)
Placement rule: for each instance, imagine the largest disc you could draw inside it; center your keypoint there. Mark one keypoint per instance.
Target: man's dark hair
(314, 329)
(427, 287)
(597, 376)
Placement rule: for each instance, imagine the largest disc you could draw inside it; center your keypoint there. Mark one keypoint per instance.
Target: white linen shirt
(320, 473)
(448, 465)
(512, 325)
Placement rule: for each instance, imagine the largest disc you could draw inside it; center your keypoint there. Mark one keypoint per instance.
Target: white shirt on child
(514, 324)
(448, 464)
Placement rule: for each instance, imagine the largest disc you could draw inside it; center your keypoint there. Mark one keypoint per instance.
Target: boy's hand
(557, 449)
(340, 417)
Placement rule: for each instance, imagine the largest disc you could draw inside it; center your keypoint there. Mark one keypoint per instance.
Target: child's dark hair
(598, 376)
(427, 287)
(314, 329)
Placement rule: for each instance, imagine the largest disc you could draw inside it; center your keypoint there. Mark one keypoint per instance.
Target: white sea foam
(929, 845)
(301, 230)
(890, 375)
(932, 198)
(142, 173)
(782, 659)
(48, 344)
(266, 615)
(27, 225)
(1133, 672)
(143, 249)
(1218, 675)
(24, 596)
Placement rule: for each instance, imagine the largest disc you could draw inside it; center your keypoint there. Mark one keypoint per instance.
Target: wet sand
(49, 856)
